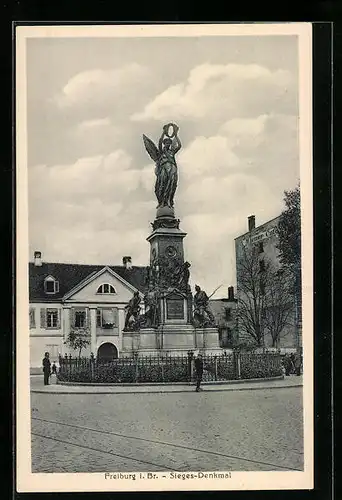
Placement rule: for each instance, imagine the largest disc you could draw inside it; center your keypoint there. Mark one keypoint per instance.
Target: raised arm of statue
(176, 146)
(160, 144)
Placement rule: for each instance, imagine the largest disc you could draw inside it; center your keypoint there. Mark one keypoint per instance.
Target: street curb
(166, 384)
(225, 389)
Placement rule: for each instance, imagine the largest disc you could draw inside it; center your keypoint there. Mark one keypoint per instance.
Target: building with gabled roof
(89, 298)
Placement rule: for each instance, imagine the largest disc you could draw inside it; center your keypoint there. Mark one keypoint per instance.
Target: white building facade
(81, 298)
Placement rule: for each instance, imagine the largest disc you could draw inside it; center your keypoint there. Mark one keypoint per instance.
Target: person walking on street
(298, 363)
(199, 371)
(288, 365)
(46, 368)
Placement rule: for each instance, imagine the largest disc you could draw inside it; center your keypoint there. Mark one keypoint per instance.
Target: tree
(289, 231)
(265, 297)
(78, 340)
(251, 293)
(289, 246)
(278, 304)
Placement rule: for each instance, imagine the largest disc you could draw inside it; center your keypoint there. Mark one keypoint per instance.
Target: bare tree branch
(265, 297)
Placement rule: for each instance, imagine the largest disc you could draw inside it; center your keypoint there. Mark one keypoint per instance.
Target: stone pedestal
(171, 339)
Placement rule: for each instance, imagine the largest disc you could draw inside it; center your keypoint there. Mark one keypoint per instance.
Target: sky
(91, 182)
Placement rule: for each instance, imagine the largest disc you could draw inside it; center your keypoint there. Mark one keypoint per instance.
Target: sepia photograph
(164, 222)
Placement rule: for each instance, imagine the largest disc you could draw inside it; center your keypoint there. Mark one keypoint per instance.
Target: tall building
(84, 298)
(263, 240)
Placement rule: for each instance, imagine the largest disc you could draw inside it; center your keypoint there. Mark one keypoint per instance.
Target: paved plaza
(246, 430)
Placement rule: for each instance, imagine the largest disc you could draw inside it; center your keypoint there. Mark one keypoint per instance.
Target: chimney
(127, 262)
(251, 223)
(37, 259)
(231, 293)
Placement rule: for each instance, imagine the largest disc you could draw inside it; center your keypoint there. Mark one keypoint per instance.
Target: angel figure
(166, 167)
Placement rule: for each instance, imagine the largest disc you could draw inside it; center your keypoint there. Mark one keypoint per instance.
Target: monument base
(169, 339)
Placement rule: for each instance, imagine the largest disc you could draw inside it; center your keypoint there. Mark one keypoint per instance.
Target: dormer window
(106, 288)
(51, 285)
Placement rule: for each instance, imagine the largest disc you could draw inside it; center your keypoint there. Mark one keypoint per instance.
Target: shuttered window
(50, 318)
(32, 317)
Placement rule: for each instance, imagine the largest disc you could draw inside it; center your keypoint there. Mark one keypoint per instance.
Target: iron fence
(163, 369)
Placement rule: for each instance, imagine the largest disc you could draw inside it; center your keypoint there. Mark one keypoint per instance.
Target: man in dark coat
(288, 365)
(46, 368)
(199, 371)
(297, 363)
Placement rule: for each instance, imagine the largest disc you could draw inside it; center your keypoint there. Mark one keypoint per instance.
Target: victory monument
(173, 320)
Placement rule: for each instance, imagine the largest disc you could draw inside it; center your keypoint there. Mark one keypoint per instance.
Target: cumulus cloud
(95, 87)
(217, 89)
(207, 155)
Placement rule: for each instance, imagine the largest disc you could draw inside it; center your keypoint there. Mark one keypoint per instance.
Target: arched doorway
(107, 352)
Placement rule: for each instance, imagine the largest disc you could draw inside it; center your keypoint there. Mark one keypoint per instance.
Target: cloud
(95, 87)
(207, 155)
(94, 124)
(226, 90)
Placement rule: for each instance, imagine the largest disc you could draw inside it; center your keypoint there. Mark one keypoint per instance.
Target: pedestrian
(199, 371)
(297, 364)
(46, 368)
(288, 365)
(54, 369)
(293, 362)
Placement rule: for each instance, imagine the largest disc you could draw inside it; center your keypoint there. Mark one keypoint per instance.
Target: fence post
(60, 362)
(136, 366)
(215, 359)
(190, 358)
(92, 360)
(237, 364)
(162, 368)
(66, 370)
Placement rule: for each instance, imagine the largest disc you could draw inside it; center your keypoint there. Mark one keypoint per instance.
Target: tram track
(105, 452)
(147, 440)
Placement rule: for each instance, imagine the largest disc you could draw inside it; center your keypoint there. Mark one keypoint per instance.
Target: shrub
(225, 371)
(260, 365)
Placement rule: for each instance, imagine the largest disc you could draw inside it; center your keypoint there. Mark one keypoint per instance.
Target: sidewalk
(38, 387)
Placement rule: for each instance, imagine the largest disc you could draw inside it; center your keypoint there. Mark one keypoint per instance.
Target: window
(106, 288)
(261, 247)
(227, 313)
(51, 285)
(52, 318)
(32, 317)
(80, 319)
(106, 318)
(261, 265)
(53, 350)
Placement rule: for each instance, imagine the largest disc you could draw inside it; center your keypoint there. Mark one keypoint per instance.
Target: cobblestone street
(236, 430)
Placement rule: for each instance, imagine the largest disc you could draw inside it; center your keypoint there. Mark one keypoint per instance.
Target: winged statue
(166, 169)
